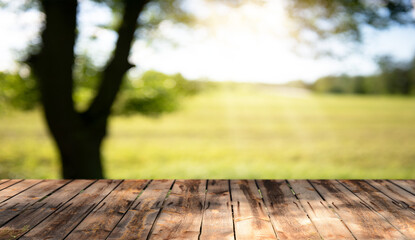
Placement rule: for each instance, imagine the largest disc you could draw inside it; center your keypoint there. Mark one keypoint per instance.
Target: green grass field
(243, 133)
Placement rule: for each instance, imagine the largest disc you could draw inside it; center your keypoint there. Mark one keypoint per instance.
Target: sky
(249, 44)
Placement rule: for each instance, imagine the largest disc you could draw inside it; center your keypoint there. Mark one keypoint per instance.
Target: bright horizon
(248, 44)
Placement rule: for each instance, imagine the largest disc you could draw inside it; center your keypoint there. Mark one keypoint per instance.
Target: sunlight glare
(248, 43)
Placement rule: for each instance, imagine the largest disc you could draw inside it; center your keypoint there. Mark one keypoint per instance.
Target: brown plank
(17, 188)
(408, 185)
(138, 220)
(9, 183)
(250, 217)
(287, 216)
(3, 181)
(361, 220)
(100, 222)
(400, 196)
(181, 215)
(217, 218)
(68, 216)
(37, 212)
(394, 192)
(328, 224)
(396, 215)
(15, 205)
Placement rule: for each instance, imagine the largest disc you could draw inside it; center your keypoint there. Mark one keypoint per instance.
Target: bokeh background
(226, 89)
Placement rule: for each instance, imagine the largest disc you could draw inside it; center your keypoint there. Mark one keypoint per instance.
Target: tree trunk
(78, 136)
(80, 153)
(78, 139)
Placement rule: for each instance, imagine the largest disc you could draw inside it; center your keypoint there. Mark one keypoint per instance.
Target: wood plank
(408, 185)
(17, 188)
(287, 216)
(100, 222)
(400, 196)
(139, 219)
(250, 217)
(181, 215)
(328, 224)
(217, 218)
(63, 221)
(3, 181)
(85, 209)
(361, 220)
(14, 206)
(37, 212)
(397, 216)
(9, 183)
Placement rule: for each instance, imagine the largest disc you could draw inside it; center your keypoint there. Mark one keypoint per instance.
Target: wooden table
(207, 209)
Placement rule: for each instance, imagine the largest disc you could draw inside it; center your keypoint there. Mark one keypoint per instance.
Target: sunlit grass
(243, 133)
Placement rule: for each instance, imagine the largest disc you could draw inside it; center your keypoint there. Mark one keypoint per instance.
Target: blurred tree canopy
(347, 17)
(153, 94)
(18, 91)
(61, 75)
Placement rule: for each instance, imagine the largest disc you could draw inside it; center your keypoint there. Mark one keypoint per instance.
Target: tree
(79, 135)
(395, 75)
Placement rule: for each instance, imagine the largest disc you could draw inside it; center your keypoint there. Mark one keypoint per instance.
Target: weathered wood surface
(109, 212)
(329, 225)
(286, 212)
(250, 216)
(217, 220)
(207, 209)
(182, 213)
(358, 216)
(137, 222)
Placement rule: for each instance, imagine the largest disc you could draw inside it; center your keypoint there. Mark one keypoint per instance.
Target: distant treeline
(394, 78)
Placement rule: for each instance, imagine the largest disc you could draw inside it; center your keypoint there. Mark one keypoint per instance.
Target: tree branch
(118, 65)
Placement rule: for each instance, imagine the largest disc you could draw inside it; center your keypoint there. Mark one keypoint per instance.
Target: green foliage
(337, 84)
(18, 91)
(345, 18)
(86, 81)
(397, 76)
(154, 13)
(155, 93)
(394, 78)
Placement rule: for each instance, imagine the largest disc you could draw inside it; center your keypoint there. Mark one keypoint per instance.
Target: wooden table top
(207, 209)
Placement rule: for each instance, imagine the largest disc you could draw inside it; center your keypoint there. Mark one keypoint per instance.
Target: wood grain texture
(212, 209)
(217, 218)
(395, 214)
(399, 195)
(8, 183)
(408, 185)
(17, 188)
(68, 216)
(250, 216)
(286, 213)
(181, 216)
(14, 206)
(139, 219)
(328, 224)
(100, 222)
(361, 220)
(4, 181)
(36, 213)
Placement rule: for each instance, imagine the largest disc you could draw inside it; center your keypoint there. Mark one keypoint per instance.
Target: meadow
(238, 132)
